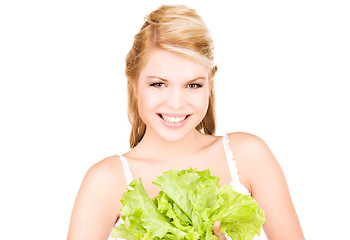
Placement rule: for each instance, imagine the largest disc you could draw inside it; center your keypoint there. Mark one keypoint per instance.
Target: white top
(236, 184)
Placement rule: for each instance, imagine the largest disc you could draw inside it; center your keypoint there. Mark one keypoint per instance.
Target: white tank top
(236, 184)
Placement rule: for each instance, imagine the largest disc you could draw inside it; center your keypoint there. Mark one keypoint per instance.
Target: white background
(284, 69)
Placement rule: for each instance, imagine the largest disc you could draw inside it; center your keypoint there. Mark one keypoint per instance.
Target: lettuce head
(186, 208)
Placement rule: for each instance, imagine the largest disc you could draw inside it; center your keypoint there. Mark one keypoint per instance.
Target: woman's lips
(174, 120)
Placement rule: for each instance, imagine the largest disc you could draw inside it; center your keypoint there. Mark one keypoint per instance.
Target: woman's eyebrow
(165, 80)
(195, 79)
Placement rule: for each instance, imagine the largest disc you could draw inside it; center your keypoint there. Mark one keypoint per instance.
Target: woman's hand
(217, 232)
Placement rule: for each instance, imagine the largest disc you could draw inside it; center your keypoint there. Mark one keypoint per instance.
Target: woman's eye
(194, 85)
(157, 84)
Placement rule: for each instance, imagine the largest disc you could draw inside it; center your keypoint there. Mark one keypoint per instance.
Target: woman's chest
(213, 158)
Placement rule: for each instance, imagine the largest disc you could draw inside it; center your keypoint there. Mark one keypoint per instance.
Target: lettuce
(187, 206)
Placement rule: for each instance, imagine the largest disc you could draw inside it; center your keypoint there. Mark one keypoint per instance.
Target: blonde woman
(170, 73)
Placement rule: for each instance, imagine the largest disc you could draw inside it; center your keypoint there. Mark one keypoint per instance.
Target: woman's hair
(180, 30)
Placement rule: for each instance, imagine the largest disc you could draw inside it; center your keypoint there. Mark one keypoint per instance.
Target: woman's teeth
(173, 119)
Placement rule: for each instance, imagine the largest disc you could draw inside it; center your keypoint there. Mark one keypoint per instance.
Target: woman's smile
(173, 118)
(176, 90)
(173, 122)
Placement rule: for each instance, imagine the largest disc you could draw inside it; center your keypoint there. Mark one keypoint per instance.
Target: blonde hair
(177, 29)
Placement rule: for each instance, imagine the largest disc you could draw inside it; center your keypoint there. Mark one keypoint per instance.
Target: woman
(170, 73)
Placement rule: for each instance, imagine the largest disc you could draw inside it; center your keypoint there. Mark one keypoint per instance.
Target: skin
(169, 84)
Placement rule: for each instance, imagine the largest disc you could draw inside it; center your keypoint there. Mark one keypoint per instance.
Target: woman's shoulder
(244, 137)
(107, 164)
(105, 177)
(108, 170)
(266, 182)
(247, 143)
(251, 153)
(102, 186)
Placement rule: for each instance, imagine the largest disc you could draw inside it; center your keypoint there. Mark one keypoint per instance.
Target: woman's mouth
(173, 119)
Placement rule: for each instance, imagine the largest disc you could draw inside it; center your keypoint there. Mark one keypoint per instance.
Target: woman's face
(172, 94)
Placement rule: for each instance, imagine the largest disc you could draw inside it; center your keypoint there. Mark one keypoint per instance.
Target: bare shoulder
(260, 171)
(97, 204)
(106, 177)
(109, 169)
(250, 148)
(253, 158)
(247, 140)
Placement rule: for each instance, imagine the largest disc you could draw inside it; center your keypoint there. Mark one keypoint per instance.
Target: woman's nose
(176, 98)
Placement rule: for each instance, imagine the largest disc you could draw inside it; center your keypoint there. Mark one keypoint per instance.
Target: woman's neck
(154, 147)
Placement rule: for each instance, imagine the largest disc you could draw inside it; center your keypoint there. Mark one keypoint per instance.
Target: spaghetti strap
(127, 172)
(237, 185)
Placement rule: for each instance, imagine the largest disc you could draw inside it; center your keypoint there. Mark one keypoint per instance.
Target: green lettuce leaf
(142, 218)
(187, 206)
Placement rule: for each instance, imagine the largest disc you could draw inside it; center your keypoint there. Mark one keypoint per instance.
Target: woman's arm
(97, 205)
(260, 170)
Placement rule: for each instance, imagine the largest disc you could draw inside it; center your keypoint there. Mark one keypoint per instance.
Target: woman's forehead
(168, 65)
